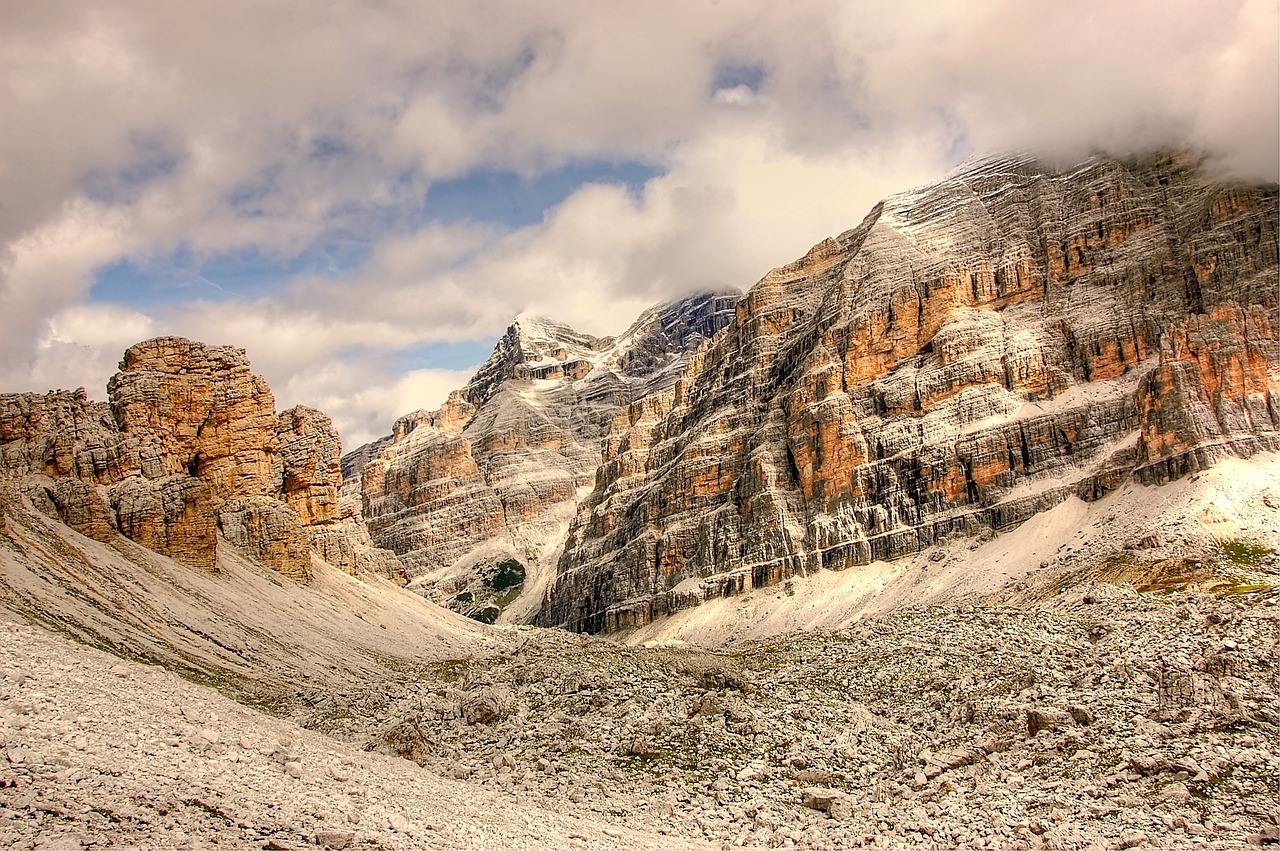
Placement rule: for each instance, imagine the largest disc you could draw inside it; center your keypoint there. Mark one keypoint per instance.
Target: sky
(363, 194)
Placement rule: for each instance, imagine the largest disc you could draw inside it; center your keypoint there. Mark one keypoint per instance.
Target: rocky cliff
(188, 451)
(480, 493)
(973, 353)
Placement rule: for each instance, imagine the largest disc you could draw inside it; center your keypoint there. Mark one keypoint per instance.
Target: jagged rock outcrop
(198, 410)
(309, 461)
(61, 433)
(189, 445)
(309, 469)
(268, 530)
(196, 417)
(173, 515)
(496, 473)
(973, 353)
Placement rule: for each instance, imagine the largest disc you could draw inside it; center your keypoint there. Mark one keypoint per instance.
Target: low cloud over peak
(673, 144)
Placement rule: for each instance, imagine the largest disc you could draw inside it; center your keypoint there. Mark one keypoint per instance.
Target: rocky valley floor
(1103, 676)
(1101, 718)
(102, 753)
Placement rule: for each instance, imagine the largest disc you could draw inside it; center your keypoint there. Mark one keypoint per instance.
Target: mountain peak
(538, 348)
(975, 352)
(522, 443)
(533, 348)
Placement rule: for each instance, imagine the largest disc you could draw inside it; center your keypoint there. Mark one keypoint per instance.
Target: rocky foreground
(1106, 719)
(101, 753)
(1103, 718)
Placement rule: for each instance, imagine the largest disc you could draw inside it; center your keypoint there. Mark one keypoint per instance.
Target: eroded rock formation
(309, 470)
(973, 353)
(188, 446)
(496, 473)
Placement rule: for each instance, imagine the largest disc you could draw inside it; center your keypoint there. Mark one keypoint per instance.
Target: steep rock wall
(188, 446)
(498, 470)
(971, 354)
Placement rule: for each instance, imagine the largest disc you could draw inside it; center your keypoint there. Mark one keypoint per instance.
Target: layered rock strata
(973, 353)
(188, 446)
(496, 472)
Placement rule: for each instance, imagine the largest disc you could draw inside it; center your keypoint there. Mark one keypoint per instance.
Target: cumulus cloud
(83, 344)
(367, 397)
(136, 130)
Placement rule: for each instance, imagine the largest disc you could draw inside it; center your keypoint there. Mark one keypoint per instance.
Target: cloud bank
(172, 136)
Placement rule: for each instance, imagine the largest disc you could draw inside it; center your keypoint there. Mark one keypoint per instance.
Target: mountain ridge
(494, 475)
(900, 383)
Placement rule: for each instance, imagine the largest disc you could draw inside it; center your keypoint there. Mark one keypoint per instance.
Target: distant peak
(534, 320)
(530, 329)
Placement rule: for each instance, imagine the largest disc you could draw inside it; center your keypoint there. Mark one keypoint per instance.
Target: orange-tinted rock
(268, 531)
(437, 478)
(971, 354)
(173, 516)
(62, 434)
(198, 410)
(189, 439)
(311, 472)
(1214, 391)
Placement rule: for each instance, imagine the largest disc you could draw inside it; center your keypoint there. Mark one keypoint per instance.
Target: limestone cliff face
(971, 354)
(308, 469)
(198, 410)
(188, 448)
(497, 471)
(308, 464)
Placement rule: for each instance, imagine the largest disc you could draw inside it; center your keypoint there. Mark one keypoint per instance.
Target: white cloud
(48, 269)
(83, 346)
(364, 401)
(741, 95)
(135, 129)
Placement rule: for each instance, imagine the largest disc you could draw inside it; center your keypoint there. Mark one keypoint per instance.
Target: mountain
(476, 497)
(185, 522)
(1099, 675)
(187, 453)
(973, 353)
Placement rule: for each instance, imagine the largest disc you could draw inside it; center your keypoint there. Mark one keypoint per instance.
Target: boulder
(172, 515)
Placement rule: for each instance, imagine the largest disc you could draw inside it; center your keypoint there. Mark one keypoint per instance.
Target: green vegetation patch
(487, 614)
(508, 573)
(1246, 554)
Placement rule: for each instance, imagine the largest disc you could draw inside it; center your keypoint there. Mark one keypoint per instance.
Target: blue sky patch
(732, 75)
(515, 201)
(462, 355)
(246, 275)
(153, 159)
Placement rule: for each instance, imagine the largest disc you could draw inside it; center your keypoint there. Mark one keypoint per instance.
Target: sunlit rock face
(188, 447)
(497, 472)
(973, 353)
